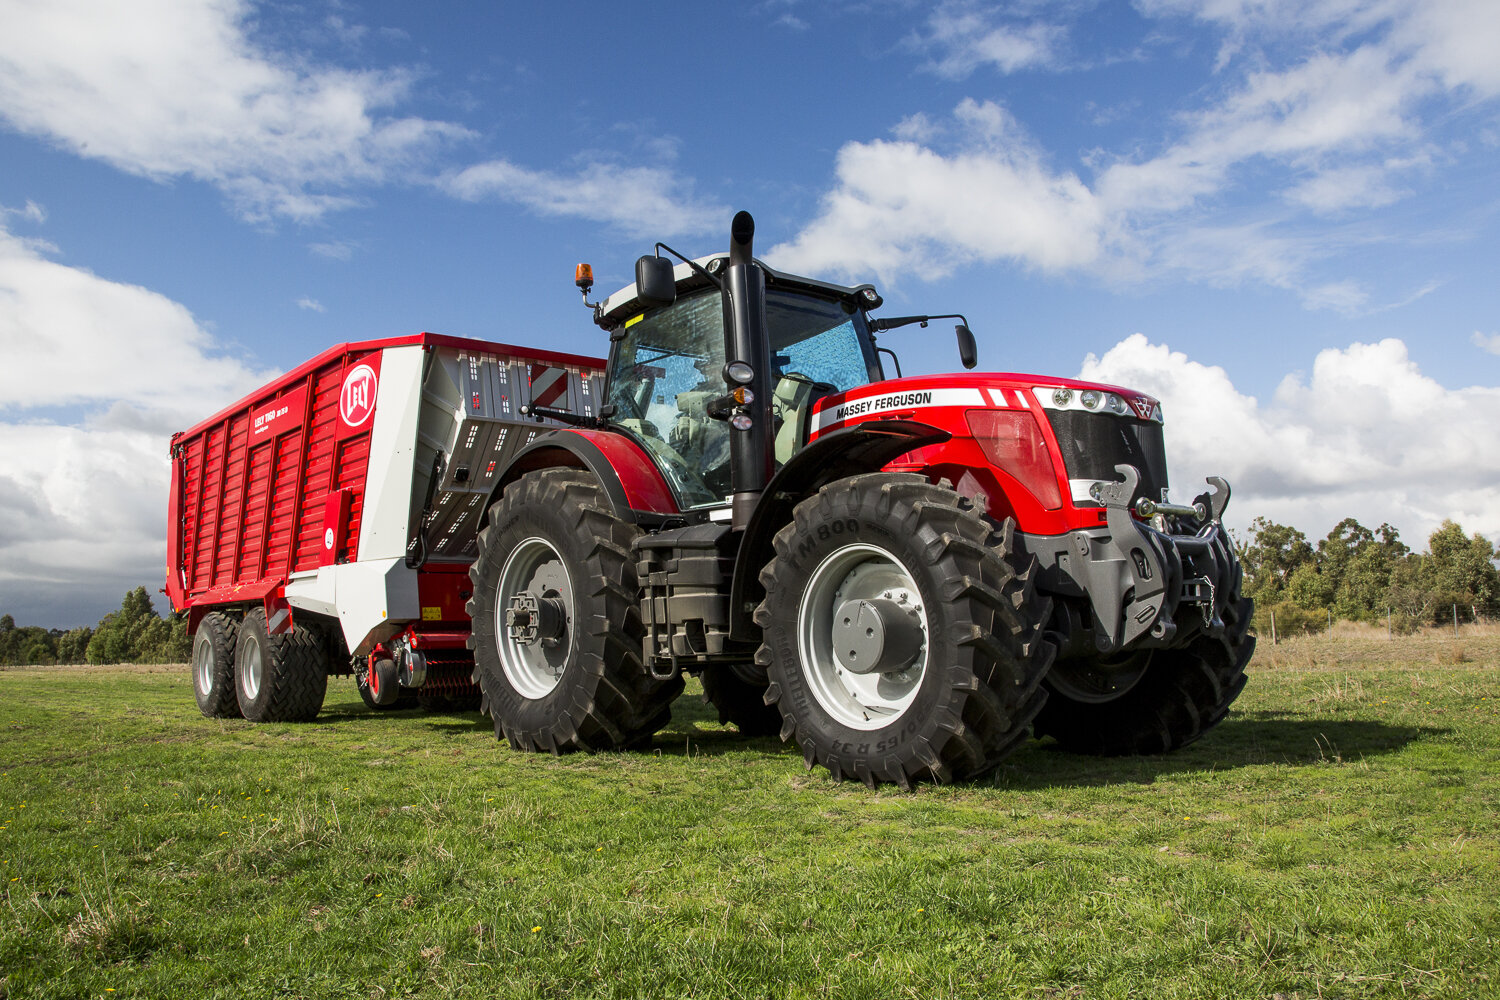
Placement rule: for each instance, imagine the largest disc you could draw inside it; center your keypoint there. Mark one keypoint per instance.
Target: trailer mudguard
(635, 487)
(865, 447)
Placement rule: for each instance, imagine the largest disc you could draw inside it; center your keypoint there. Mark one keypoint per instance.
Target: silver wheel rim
(250, 669)
(203, 666)
(859, 701)
(534, 567)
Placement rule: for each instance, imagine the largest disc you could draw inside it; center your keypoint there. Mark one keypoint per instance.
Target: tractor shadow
(1245, 739)
(1252, 739)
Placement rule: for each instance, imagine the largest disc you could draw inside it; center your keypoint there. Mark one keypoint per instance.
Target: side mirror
(968, 351)
(654, 283)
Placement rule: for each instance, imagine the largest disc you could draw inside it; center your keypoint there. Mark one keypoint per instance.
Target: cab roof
(623, 304)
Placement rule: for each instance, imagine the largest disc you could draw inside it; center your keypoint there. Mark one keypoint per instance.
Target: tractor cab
(669, 385)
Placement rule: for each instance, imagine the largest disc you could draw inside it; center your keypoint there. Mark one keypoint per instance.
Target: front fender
(635, 486)
(865, 447)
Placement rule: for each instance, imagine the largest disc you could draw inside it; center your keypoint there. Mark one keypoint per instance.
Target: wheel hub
(530, 618)
(876, 636)
(863, 636)
(534, 623)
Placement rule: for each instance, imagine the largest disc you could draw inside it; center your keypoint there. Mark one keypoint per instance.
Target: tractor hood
(939, 399)
(1059, 439)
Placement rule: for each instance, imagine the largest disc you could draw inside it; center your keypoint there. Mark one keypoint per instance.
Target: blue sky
(1279, 217)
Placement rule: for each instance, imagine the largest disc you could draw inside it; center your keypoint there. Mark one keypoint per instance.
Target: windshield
(670, 363)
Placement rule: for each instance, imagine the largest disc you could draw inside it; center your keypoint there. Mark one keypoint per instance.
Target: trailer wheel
(213, 666)
(279, 678)
(556, 621)
(739, 701)
(1165, 699)
(406, 699)
(901, 640)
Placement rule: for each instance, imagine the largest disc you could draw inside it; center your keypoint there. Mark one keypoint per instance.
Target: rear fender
(633, 483)
(865, 447)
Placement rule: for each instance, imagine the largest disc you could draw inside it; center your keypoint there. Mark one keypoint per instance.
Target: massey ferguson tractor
(908, 576)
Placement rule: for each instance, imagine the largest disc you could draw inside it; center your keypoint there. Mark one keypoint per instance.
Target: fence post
(1273, 628)
(1388, 633)
(1455, 619)
(1330, 624)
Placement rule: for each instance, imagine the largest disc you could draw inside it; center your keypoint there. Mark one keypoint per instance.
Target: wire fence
(1284, 621)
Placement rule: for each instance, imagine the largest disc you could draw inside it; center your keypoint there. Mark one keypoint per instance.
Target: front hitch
(1140, 576)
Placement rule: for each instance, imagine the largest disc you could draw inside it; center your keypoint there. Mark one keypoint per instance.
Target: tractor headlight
(1062, 397)
(1116, 404)
(1089, 398)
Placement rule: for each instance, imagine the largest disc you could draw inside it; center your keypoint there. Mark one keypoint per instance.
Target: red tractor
(906, 575)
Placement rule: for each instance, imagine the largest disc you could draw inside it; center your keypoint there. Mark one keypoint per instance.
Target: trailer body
(349, 489)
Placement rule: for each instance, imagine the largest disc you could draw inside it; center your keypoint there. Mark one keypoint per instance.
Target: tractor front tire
(902, 633)
(574, 679)
(1168, 700)
(739, 701)
(279, 678)
(213, 666)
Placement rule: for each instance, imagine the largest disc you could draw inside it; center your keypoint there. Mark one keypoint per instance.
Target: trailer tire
(406, 699)
(554, 536)
(739, 701)
(941, 578)
(279, 678)
(213, 666)
(1180, 694)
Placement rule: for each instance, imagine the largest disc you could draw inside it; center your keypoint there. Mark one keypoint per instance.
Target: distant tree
(25, 644)
(1309, 589)
(73, 645)
(1462, 568)
(1275, 552)
(1364, 562)
(130, 634)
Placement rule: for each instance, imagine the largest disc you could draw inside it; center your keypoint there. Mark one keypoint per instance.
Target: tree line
(1357, 574)
(134, 634)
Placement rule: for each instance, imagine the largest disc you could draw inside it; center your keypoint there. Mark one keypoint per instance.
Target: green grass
(1335, 837)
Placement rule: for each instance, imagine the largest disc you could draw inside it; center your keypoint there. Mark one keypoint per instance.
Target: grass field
(1337, 836)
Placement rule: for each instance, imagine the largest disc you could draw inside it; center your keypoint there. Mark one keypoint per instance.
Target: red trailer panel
(276, 487)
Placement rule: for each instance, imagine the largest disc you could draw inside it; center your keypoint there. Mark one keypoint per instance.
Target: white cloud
(30, 212)
(73, 339)
(174, 88)
(1487, 341)
(335, 249)
(900, 207)
(1336, 110)
(101, 374)
(1360, 436)
(639, 201)
(965, 36)
(312, 304)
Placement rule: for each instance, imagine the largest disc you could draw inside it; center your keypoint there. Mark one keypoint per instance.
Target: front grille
(1094, 443)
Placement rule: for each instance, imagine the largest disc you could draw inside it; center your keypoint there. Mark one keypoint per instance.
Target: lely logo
(357, 397)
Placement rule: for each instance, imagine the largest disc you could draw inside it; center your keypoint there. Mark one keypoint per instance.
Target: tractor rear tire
(279, 678)
(943, 580)
(213, 666)
(739, 701)
(1180, 694)
(576, 681)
